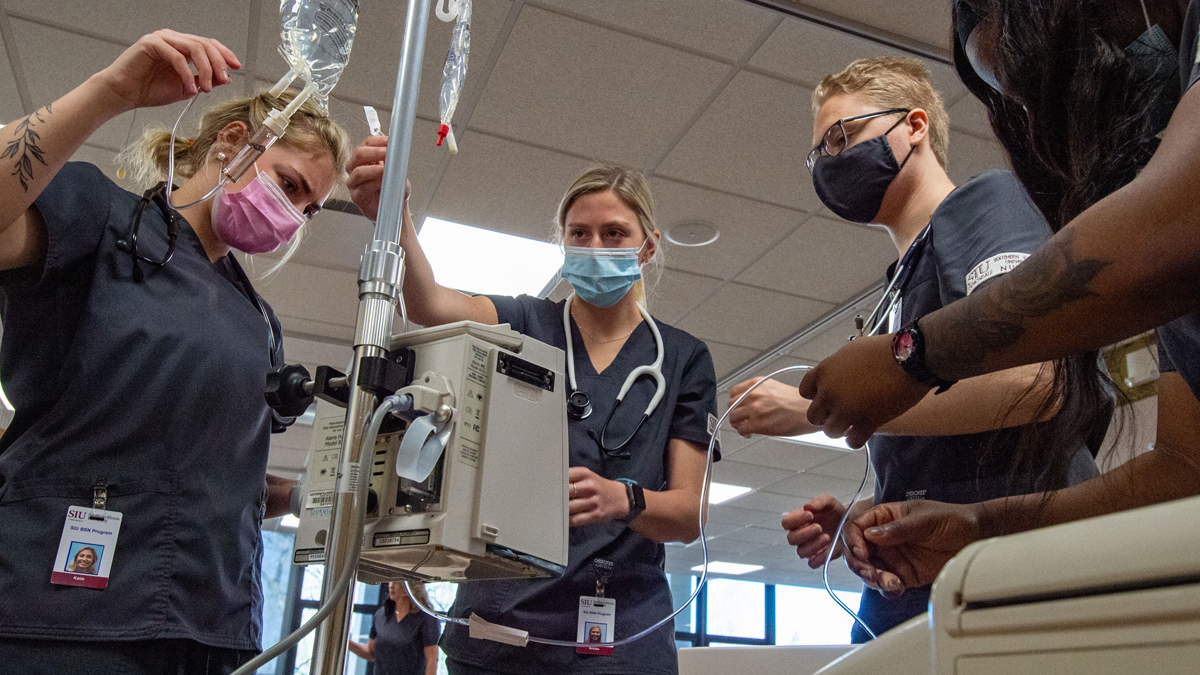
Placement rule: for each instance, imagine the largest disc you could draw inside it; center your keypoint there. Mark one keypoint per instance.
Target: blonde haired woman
(403, 639)
(635, 481)
(135, 351)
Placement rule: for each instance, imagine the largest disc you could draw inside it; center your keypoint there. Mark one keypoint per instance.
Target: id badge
(85, 552)
(597, 619)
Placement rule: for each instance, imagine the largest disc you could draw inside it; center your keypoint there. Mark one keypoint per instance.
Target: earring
(221, 156)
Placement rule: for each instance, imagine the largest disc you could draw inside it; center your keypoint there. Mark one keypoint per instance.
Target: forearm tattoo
(994, 318)
(24, 148)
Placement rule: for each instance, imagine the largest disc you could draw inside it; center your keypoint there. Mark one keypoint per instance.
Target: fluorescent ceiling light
(290, 521)
(718, 567)
(4, 402)
(720, 492)
(818, 438)
(475, 260)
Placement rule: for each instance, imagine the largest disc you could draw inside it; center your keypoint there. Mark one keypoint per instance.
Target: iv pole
(380, 280)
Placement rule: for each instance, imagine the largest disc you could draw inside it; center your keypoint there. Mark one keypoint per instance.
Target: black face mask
(852, 183)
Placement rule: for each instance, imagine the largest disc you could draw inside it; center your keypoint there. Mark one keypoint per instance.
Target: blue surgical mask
(601, 276)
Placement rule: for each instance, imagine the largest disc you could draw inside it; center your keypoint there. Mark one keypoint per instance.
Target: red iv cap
(442, 131)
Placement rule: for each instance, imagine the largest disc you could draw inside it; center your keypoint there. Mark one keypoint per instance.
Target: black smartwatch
(637, 499)
(908, 349)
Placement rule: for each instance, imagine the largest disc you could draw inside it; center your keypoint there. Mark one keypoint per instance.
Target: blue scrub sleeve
(1165, 364)
(697, 399)
(373, 633)
(515, 312)
(981, 229)
(1189, 47)
(76, 208)
(429, 631)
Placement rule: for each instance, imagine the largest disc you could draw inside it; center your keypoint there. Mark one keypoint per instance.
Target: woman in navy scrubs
(606, 220)
(403, 639)
(136, 357)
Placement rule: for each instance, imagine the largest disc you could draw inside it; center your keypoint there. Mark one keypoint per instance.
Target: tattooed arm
(1127, 264)
(154, 71)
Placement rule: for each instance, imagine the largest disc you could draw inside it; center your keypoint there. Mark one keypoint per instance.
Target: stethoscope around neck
(891, 294)
(579, 406)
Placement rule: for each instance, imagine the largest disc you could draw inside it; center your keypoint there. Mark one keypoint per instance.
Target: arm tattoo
(994, 319)
(26, 145)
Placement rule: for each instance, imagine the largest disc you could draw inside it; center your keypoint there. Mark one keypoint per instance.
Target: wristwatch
(908, 348)
(637, 499)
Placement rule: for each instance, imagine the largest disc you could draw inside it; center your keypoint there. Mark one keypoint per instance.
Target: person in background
(880, 142)
(403, 639)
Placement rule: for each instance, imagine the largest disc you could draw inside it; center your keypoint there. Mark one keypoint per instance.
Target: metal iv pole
(380, 280)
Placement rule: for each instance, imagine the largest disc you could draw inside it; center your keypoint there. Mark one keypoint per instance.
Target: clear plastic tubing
(454, 73)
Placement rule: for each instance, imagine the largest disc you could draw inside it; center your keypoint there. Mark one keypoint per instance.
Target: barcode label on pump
(318, 500)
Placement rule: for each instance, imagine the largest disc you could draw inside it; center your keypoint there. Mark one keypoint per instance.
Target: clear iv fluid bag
(454, 73)
(316, 37)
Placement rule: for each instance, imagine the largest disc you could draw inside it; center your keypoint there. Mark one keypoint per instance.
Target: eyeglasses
(836, 138)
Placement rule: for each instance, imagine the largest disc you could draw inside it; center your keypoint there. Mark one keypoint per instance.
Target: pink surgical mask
(258, 219)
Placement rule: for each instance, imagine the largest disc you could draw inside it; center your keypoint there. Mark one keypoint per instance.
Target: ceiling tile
(970, 115)
(728, 357)
(506, 186)
(725, 28)
(806, 52)
(768, 502)
(729, 515)
(778, 454)
(792, 378)
(819, 346)
(971, 156)
(926, 21)
(809, 485)
(126, 21)
(677, 292)
(748, 228)
(747, 475)
(575, 86)
(335, 239)
(723, 548)
(10, 99)
(57, 61)
(751, 317)
(731, 441)
(312, 300)
(103, 158)
(849, 467)
(751, 141)
(824, 259)
(370, 75)
(757, 535)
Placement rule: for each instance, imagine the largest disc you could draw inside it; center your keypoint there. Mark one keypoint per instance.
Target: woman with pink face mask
(135, 352)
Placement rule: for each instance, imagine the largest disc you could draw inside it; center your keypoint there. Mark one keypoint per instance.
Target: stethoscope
(891, 294)
(579, 406)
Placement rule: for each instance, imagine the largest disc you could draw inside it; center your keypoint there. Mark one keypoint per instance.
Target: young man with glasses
(880, 139)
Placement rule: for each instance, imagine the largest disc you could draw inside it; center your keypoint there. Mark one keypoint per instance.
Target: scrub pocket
(134, 605)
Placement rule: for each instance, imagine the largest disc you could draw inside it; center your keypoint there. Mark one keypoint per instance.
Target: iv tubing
(703, 544)
(343, 582)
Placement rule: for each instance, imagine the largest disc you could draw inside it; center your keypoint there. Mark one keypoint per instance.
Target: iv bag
(316, 37)
(454, 73)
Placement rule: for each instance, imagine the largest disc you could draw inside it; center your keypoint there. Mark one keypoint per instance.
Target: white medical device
(1114, 594)
(486, 496)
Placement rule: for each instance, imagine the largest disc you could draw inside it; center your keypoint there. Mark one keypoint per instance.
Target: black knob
(285, 390)
(579, 407)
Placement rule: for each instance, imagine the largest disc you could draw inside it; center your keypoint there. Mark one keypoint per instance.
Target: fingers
(814, 547)
(852, 538)
(363, 176)
(178, 62)
(797, 519)
(196, 53)
(367, 154)
(741, 387)
(822, 503)
(809, 386)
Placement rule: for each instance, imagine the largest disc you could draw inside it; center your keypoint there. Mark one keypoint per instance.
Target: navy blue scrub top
(400, 645)
(985, 217)
(549, 607)
(1179, 341)
(154, 387)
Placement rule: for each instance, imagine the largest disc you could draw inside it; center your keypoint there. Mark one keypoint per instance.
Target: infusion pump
(495, 504)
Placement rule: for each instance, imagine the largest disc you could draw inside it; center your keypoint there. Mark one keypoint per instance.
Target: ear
(918, 122)
(231, 138)
(651, 247)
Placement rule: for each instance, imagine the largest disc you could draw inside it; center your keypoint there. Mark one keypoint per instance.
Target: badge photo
(85, 551)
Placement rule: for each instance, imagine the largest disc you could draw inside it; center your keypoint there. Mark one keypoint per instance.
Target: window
(808, 616)
(736, 608)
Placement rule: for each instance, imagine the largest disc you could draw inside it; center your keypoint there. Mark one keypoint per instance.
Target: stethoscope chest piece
(579, 406)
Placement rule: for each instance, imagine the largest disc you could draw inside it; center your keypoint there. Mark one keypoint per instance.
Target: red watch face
(903, 347)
